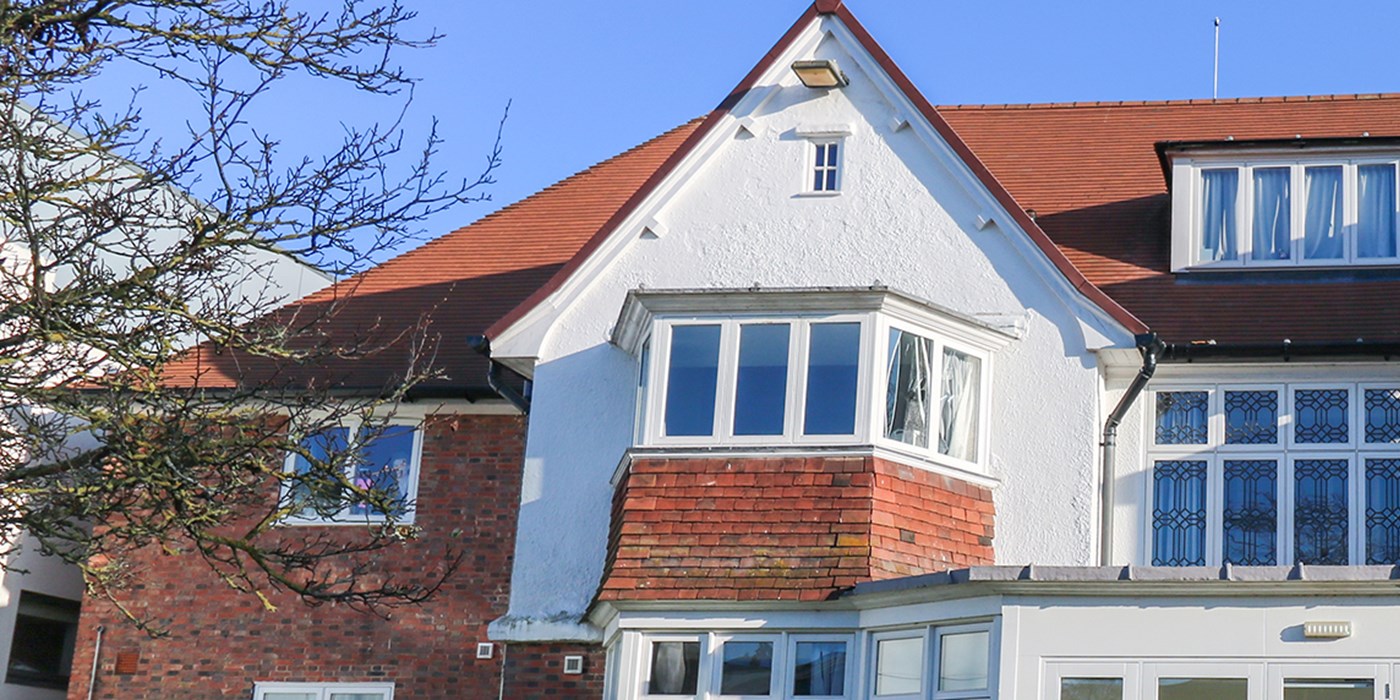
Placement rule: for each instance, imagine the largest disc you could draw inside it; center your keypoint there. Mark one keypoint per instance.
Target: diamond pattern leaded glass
(1181, 418)
(1179, 513)
(1320, 511)
(1251, 417)
(1320, 416)
(1383, 415)
(1383, 511)
(1251, 512)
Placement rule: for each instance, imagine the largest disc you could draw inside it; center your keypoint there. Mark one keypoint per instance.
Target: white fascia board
(1104, 329)
(525, 337)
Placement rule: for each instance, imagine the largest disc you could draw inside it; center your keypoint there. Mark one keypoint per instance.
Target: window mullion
(726, 380)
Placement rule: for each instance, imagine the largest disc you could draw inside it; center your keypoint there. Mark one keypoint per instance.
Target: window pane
(821, 155)
(1273, 234)
(957, 432)
(1091, 689)
(357, 696)
(691, 380)
(1202, 688)
(1320, 416)
(907, 402)
(832, 369)
(1375, 212)
(899, 666)
(831, 179)
(289, 696)
(675, 668)
(317, 493)
(1383, 511)
(1179, 513)
(761, 392)
(1322, 219)
(1319, 689)
(1181, 418)
(386, 467)
(962, 663)
(819, 669)
(1320, 511)
(1251, 417)
(748, 668)
(1218, 230)
(1251, 512)
(1383, 415)
(45, 631)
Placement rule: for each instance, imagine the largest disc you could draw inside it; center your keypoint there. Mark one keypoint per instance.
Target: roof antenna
(1215, 74)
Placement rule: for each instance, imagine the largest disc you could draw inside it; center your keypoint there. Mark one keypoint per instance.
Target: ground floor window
(323, 691)
(46, 629)
(1225, 680)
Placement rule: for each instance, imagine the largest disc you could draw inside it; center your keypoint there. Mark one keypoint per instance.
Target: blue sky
(587, 80)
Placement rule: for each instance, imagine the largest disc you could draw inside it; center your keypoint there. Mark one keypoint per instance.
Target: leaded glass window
(1179, 513)
(1320, 511)
(1250, 512)
(1182, 418)
(1320, 416)
(1251, 417)
(1383, 511)
(1382, 416)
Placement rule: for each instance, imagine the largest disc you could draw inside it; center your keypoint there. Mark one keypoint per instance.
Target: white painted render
(734, 216)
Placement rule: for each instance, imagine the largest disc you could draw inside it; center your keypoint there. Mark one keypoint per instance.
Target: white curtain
(961, 378)
(1218, 211)
(1322, 220)
(1272, 232)
(668, 669)
(1375, 220)
(907, 395)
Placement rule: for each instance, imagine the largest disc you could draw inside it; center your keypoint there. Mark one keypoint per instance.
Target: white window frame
(353, 424)
(1188, 197)
(1057, 671)
(940, 342)
(1285, 452)
(1154, 672)
(775, 679)
(813, 143)
(322, 690)
(936, 665)
(722, 430)
(703, 670)
(1279, 672)
(926, 665)
(790, 668)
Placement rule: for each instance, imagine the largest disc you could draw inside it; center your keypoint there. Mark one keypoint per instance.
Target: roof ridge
(1162, 103)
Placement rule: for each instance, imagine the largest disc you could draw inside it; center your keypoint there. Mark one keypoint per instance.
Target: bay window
(912, 383)
(1275, 474)
(1262, 210)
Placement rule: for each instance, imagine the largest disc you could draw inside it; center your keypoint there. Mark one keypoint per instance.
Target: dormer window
(1271, 210)
(810, 368)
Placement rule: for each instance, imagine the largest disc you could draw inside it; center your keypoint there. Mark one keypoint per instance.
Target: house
(834, 393)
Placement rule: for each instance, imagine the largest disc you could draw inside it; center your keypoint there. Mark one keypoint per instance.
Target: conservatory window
(1274, 475)
(1271, 210)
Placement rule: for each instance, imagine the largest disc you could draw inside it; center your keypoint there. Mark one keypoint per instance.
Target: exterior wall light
(820, 74)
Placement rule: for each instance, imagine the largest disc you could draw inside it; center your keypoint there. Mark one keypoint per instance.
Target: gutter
(1151, 348)
(1284, 350)
(482, 345)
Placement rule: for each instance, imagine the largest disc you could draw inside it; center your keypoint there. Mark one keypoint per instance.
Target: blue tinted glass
(819, 669)
(1383, 415)
(1251, 417)
(817, 185)
(321, 496)
(691, 380)
(832, 370)
(821, 155)
(1320, 511)
(1251, 512)
(831, 180)
(1181, 418)
(386, 466)
(748, 669)
(1320, 415)
(1179, 513)
(1383, 511)
(761, 391)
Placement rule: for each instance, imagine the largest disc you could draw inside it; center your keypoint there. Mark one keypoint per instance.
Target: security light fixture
(820, 74)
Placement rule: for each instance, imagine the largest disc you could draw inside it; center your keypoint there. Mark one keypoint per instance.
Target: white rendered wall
(26, 570)
(904, 220)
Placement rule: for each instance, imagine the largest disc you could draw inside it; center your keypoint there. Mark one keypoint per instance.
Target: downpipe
(1151, 347)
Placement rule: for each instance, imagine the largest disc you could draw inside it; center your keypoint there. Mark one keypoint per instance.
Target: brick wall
(220, 642)
(537, 671)
(786, 528)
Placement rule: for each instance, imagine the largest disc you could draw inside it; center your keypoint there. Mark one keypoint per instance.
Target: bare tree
(122, 251)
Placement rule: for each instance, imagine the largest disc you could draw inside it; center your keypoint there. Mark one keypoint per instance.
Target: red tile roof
(448, 289)
(1090, 172)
